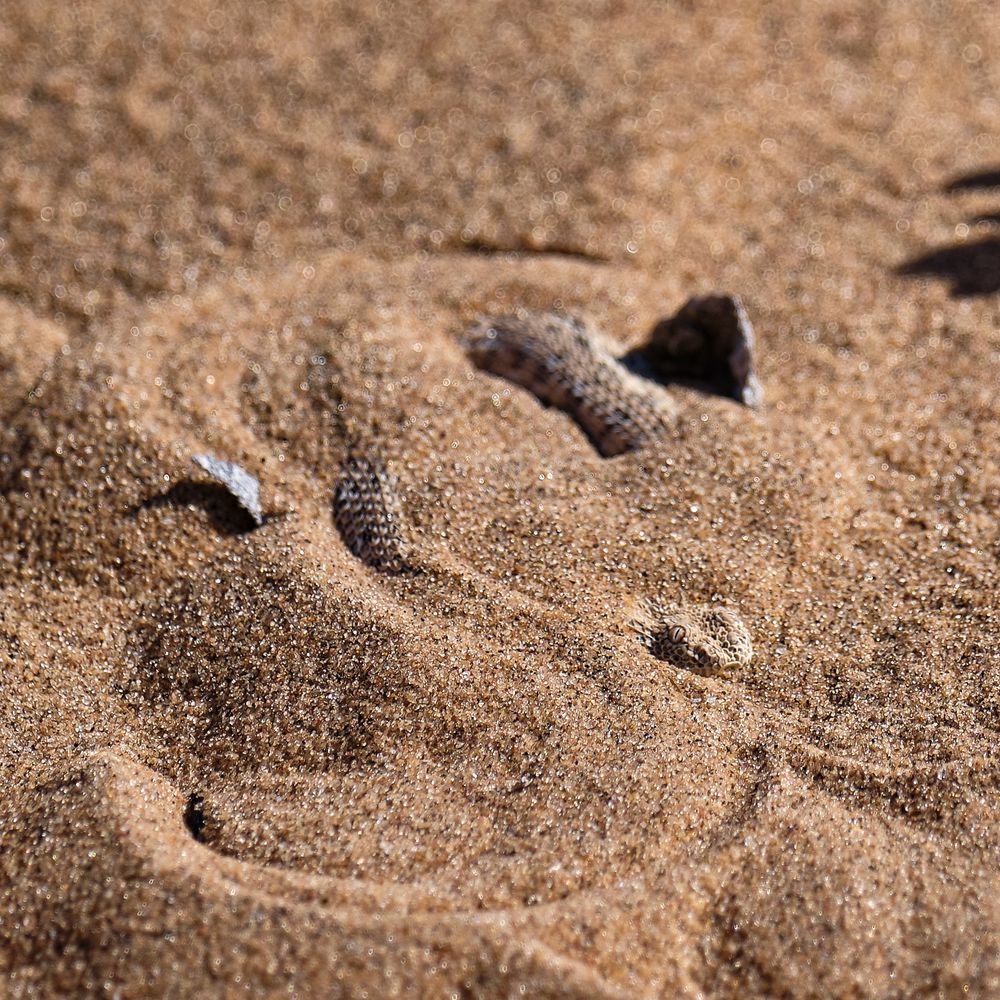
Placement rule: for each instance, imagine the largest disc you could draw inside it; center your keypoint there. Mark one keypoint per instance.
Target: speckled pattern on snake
(705, 638)
(565, 363)
(368, 514)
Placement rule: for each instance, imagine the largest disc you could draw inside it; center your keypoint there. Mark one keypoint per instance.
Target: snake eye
(678, 633)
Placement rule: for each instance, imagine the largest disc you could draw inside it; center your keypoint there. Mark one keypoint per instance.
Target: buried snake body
(566, 364)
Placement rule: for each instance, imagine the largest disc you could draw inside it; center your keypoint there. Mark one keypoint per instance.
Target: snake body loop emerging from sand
(566, 364)
(369, 515)
(621, 403)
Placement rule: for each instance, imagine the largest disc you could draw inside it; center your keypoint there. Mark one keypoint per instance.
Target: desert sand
(248, 763)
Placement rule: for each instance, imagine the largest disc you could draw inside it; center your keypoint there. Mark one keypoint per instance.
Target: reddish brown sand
(246, 764)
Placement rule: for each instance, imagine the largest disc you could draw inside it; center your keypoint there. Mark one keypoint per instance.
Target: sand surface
(245, 763)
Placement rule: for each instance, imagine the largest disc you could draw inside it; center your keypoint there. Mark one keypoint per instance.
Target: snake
(567, 364)
(704, 638)
(368, 514)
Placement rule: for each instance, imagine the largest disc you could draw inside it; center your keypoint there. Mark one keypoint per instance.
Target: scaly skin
(369, 516)
(566, 364)
(705, 638)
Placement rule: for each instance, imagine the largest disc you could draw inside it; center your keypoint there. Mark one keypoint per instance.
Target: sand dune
(282, 759)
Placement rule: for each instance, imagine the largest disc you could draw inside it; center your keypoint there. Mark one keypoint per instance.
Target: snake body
(368, 514)
(565, 363)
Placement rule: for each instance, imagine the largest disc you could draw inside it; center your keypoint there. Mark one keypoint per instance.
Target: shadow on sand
(972, 268)
(976, 181)
(224, 511)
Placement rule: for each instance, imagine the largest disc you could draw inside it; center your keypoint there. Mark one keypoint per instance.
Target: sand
(245, 762)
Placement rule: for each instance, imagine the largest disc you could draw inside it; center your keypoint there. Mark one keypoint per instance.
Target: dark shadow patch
(707, 345)
(225, 512)
(986, 219)
(194, 817)
(971, 268)
(519, 248)
(976, 181)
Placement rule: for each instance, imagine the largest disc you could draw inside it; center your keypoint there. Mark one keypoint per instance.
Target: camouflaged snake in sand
(369, 516)
(705, 638)
(566, 364)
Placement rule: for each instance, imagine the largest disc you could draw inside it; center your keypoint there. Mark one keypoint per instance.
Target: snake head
(706, 638)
